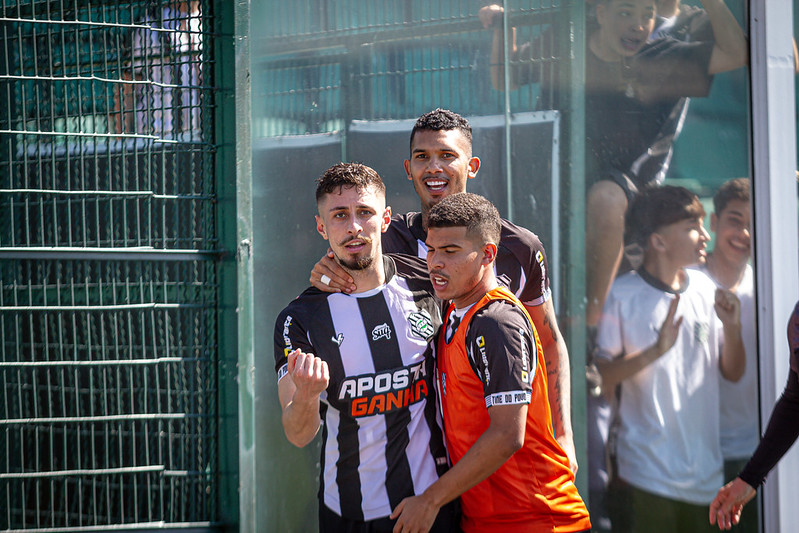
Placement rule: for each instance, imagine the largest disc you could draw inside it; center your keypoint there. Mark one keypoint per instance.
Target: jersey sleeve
(290, 334)
(503, 353)
(398, 238)
(793, 338)
(525, 247)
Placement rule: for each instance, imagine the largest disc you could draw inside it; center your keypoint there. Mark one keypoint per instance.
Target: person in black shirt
(781, 433)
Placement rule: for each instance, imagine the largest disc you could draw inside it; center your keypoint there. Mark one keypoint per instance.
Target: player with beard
(357, 366)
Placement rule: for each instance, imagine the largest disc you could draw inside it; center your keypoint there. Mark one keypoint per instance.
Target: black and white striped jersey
(381, 433)
(521, 263)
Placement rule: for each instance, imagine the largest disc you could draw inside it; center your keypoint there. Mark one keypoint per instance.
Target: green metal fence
(109, 271)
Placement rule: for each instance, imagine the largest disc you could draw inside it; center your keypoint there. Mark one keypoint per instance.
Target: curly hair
(442, 120)
(346, 175)
(472, 211)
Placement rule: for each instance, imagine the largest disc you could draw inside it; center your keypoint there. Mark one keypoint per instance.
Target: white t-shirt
(668, 413)
(740, 411)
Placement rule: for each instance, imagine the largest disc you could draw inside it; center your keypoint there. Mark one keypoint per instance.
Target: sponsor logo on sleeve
(338, 339)
(287, 347)
(481, 347)
(508, 398)
(539, 257)
(525, 355)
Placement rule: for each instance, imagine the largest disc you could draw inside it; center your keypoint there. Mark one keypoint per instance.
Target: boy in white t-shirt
(665, 336)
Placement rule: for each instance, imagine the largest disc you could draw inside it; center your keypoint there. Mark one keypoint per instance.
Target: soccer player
(508, 469)
(356, 365)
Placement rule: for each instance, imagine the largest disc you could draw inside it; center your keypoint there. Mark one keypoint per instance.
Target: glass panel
(574, 116)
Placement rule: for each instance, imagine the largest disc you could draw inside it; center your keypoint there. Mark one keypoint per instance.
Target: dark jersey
(381, 436)
(783, 426)
(521, 263)
(502, 352)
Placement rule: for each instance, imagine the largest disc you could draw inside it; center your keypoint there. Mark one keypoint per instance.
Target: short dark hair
(442, 120)
(472, 211)
(731, 190)
(656, 207)
(346, 175)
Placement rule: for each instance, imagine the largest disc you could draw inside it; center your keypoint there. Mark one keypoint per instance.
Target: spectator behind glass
(728, 265)
(631, 86)
(665, 335)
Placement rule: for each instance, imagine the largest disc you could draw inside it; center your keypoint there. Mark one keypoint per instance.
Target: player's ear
(407, 164)
(714, 221)
(489, 253)
(386, 219)
(474, 166)
(320, 227)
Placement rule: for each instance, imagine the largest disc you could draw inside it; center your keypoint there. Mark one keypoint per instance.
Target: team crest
(382, 331)
(421, 324)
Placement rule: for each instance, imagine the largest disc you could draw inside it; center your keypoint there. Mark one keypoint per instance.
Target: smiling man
(360, 363)
(440, 164)
(508, 469)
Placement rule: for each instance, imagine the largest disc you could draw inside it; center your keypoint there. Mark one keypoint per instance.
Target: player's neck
(425, 217)
(368, 278)
(487, 283)
(725, 273)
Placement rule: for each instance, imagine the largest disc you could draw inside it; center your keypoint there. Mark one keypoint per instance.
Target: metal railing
(108, 271)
